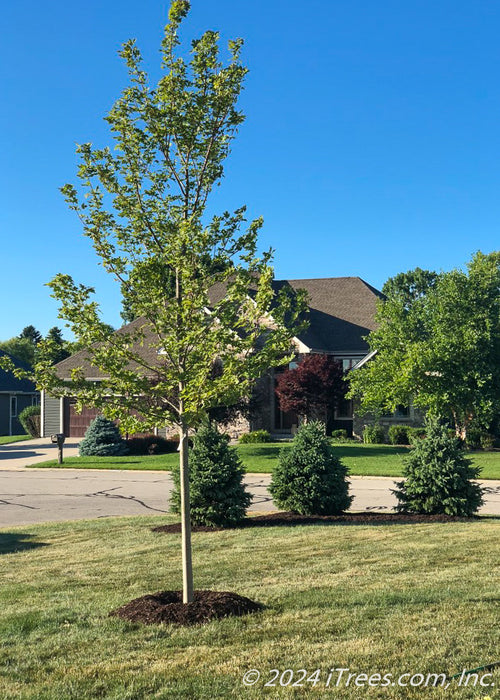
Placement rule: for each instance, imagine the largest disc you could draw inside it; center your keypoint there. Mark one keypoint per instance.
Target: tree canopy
(440, 346)
(313, 388)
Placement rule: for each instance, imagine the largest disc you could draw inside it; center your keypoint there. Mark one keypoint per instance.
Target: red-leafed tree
(314, 388)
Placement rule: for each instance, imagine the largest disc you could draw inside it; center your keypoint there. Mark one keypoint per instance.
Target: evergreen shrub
(218, 495)
(102, 439)
(438, 477)
(309, 479)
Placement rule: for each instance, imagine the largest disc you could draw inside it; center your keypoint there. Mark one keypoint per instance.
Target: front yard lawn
(7, 439)
(362, 460)
(374, 599)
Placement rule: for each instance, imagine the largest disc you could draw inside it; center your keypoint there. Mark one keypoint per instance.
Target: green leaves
(142, 203)
(438, 341)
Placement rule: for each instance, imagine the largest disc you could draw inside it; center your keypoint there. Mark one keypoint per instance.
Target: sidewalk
(18, 455)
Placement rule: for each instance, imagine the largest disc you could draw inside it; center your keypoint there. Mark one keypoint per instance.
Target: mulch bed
(167, 607)
(289, 519)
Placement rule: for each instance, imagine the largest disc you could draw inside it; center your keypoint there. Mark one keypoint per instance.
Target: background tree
(21, 349)
(56, 345)
(410, 286)
(443, 349)
(29, 344)
(32, 334)
(314, 388)
(143, 207)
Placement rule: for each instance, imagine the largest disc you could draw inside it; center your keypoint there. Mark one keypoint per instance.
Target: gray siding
(4, 414)
(51, 415)
(23, 400)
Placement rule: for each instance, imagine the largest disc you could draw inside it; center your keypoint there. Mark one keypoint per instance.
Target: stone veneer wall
(260, 420)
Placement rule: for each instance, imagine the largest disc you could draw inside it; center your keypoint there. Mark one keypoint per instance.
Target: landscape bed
(396, 599)
(362, 460)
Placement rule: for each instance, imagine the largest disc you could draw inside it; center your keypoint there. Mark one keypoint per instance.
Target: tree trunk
(187, 564)
(460, 426)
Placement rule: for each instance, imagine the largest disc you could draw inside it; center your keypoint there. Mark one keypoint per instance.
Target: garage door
(75, 424)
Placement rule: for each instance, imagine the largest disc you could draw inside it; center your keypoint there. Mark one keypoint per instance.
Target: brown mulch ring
(289, 519)
(167, 607)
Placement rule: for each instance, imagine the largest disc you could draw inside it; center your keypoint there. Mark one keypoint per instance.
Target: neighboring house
(15, 394)
(341, 314)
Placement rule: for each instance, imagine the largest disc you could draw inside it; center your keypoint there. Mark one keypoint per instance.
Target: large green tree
(440, 346)
(143, 206)
(21, 349)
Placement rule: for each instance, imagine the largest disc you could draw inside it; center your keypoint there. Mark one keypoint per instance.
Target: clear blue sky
(371, 144)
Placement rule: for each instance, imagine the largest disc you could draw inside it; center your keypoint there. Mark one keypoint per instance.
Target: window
(13, 406)
(35, 400)
(344, 409)
(402, 411)
(349, 362)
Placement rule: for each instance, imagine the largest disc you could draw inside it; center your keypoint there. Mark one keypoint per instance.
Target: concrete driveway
(18, 455)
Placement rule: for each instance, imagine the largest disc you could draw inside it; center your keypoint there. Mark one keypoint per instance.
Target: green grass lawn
(6, 439)
(380, 599)
(362, 460)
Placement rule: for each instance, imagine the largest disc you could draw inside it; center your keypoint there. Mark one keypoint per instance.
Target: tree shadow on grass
(11, 542)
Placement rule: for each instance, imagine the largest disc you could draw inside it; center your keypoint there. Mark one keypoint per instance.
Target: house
(341, 314)
(15, 395)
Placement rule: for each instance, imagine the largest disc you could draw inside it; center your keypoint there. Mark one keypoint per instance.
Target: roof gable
(342, 312)
(8, 382)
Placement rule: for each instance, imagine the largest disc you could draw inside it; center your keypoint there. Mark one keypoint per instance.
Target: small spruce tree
(438, 476)
(218, 496)
(102, 439)
(309, 478)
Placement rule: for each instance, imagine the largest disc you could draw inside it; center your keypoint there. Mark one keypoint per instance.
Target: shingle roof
(81, 358)
(8, 381)
(341, 312)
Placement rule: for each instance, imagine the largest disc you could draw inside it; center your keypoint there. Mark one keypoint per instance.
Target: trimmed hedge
(373, 435)
(340, 435)
(415, 434)
(398, 435)
(151, 445)
(30, 420)
(255, 436)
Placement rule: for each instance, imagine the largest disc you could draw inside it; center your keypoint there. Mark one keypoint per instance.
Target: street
(29, 496)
